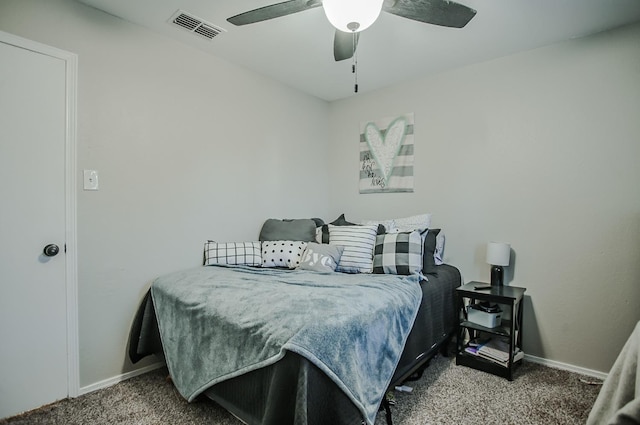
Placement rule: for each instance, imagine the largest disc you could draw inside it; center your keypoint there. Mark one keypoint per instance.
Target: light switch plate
(90, 180)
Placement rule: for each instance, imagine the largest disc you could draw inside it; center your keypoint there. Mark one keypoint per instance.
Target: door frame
(71, 206)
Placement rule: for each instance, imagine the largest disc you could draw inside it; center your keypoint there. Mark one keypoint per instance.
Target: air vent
(195, 25)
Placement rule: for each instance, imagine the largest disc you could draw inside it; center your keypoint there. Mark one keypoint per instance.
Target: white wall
(539, 149)
(188, 147)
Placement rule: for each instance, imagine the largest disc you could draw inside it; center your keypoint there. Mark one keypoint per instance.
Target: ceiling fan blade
(343, 45)
(438, 12)
(274, 11)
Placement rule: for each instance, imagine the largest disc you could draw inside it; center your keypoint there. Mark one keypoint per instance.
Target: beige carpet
(446, 394)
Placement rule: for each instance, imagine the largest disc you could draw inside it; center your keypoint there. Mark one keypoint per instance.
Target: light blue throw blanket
(220, 322)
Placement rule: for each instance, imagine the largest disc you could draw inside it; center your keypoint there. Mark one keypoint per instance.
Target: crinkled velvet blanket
(220, 322)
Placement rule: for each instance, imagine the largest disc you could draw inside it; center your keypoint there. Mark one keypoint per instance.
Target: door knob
(51, 250)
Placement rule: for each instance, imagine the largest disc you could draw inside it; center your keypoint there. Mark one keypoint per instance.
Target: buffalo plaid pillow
(398, 253)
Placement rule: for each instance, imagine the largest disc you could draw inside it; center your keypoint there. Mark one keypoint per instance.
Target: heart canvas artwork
(386, 155)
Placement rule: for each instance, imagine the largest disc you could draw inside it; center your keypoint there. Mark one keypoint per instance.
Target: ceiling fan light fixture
(352, 15)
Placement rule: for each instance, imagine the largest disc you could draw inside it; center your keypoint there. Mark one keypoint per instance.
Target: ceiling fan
(437, 12)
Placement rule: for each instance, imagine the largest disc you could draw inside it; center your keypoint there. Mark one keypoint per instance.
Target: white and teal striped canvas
(386, 155)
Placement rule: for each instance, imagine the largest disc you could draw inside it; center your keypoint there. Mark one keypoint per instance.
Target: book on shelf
(471, 350)
(518, 355)
(494, 350)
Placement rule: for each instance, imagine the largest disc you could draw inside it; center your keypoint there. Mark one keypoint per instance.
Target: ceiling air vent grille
(195, 25)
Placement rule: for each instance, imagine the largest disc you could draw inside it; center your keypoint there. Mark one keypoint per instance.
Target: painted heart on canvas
(385, 147)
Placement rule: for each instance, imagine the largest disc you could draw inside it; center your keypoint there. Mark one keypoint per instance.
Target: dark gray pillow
(302, 229)
(341, 221)
(319, 222)
(428, 263)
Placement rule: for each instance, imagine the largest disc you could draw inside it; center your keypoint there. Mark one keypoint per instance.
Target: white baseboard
(119, 378)
(545, 362)
(565, 366)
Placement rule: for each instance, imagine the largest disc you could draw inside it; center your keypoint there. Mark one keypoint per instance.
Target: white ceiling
(298, 49)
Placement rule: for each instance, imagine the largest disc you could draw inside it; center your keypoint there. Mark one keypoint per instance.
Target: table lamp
(498, 254)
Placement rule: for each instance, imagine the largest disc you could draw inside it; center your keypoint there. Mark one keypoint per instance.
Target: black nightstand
(508, 333)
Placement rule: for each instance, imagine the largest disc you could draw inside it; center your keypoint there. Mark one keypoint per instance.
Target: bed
(279, 346)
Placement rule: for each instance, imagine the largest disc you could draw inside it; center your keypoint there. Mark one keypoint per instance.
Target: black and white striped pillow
(358, 243)
(398, 253)
(232, 253)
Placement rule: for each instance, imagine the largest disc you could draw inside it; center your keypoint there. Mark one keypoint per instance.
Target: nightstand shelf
(502, 330)
(509, 332)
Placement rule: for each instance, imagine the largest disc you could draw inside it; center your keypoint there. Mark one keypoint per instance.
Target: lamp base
(497, 276)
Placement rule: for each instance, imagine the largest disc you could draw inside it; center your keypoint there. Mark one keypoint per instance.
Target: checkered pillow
(398, 253)
(233, 253)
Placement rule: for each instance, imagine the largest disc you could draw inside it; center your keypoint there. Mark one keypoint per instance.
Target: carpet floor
(446, 394)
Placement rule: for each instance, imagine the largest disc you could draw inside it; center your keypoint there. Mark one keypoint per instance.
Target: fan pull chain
(354, 67)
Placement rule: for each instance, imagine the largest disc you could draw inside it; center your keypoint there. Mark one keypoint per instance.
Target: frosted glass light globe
(352, 15)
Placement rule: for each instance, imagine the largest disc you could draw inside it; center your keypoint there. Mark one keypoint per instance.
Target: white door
(33, 291)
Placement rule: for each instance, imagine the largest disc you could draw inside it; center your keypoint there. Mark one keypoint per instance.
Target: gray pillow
(321, 257)
(341, 221)
(428, 262)
(319, 222)
(303, 229)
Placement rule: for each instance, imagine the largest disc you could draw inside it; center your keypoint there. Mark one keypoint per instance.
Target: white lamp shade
(344, 14)
(498, 253)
